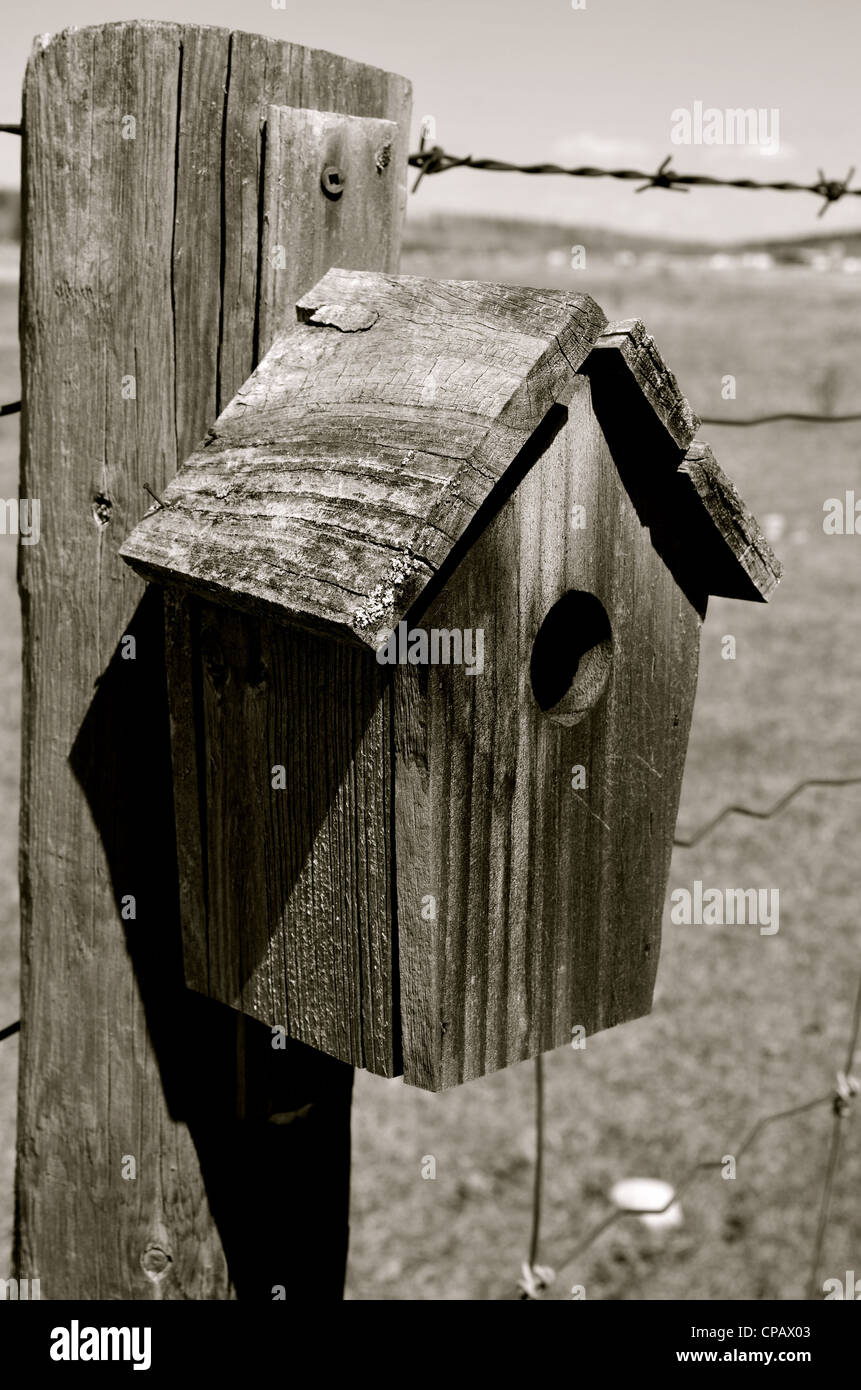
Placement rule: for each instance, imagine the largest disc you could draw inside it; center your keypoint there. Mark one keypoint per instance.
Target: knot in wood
(155, 1263)
(102, 507)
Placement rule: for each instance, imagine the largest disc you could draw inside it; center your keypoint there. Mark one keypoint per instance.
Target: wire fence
(14, 408)
(686, 842)
(536, 1279)
(434, 159)
(732, 810)
(792, 415)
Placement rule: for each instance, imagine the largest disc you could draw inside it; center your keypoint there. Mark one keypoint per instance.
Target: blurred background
(751, 285)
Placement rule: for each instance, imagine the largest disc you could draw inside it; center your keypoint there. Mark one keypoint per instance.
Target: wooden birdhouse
(435, 581)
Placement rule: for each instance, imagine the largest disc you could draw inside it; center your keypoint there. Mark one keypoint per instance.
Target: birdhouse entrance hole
(571, 657)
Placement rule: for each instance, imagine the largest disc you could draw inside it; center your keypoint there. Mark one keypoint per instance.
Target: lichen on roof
(381, 600)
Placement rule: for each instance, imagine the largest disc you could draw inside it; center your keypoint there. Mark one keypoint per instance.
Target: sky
(535, 80)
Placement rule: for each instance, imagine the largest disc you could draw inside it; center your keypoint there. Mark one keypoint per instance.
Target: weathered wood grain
(96, 290)
(305, 232)
(266, 72)
(547, 898)
(287, 904)
(183, 677)
(128, 245)
(299, 922)
(698, 521)
(321, 497)
(198, 230)
(633, 344)
(353, 482)
(740, 562)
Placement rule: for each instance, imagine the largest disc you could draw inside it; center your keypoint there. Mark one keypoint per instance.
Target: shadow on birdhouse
(435, 582)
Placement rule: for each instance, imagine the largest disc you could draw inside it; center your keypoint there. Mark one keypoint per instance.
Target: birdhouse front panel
(435, 582)
(538, 796)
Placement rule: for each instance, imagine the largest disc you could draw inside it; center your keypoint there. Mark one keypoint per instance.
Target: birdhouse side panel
(542, 789)
(281, 746)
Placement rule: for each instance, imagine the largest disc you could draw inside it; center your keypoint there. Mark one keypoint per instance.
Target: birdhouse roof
(390, 419)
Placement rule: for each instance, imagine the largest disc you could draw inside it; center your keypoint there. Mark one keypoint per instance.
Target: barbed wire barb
(664, 178)
(832, 190)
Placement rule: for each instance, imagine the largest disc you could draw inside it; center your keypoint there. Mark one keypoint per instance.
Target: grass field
(743, 1024)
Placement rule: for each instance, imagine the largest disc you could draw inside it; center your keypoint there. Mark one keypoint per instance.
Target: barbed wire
(537, 1279)
(10, 1029)
(734, 810)
(436, 160)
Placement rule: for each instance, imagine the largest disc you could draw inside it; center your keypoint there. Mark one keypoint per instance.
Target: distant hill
(518, 236)
(461, 232)
(789, 250)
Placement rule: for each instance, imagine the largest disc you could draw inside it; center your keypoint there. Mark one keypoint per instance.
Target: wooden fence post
(166, 1149)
